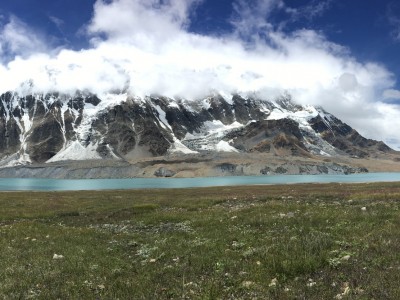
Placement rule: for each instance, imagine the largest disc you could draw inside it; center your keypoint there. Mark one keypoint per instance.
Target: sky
(339, 54)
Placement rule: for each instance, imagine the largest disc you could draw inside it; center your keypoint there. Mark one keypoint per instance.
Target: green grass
(260, 242)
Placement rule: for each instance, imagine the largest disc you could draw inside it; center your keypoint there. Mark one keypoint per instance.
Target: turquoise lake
(34, 184)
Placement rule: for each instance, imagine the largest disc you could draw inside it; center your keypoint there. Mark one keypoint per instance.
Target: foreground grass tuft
(330, 241)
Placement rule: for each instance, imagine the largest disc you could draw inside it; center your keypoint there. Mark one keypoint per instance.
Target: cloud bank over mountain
(146, 47)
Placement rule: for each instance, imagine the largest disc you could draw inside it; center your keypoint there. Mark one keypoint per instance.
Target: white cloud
(140, 22)
(392, 14)
(251, 17)
(391, 94)
(144, 46)
(16, 38)
(311, 11)
(57, 21)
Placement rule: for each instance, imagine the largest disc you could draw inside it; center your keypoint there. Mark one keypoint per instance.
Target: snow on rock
(210, 137)
(215, 127)
(113, 155)
(206, 103)
(302, 116)
(223, 146)
(162, 117)
(91, 111)
(227, 97)
(178, 147)
(76, 151)
(323, 153)
(173, 104)
(313, 141)
(15, 160)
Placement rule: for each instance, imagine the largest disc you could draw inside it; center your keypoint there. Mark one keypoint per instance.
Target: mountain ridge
(45, 129)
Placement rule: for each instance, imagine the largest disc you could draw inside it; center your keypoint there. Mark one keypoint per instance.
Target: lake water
(24, 184)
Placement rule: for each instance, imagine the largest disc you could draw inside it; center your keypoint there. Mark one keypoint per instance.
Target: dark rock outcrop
(270, 136)
(345, 138)
(163, 172)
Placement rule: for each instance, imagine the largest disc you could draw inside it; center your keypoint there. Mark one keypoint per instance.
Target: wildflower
(57, 256)
(359, 290)
(364, 208)
(346, 257)
(346, 288)
(273, 282)
(311, 283)
(152, 260)
(247, 284)
(190, 284)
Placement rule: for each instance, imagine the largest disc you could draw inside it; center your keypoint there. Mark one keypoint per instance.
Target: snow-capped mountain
(49, 128)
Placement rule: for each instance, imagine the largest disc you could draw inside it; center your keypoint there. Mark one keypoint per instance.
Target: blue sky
(340, 54)
(370, 29)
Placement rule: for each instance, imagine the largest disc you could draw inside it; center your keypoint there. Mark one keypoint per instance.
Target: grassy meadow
(306, 241)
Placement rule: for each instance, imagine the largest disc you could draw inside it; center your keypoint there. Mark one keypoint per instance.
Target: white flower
(57, 256)
(345, 289)
(247, 284)
(311, 283)
(273, 282)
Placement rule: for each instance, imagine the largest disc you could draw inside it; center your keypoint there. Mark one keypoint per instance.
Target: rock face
(48, 128)
(277, 136)
(345, 138)
(163, 172)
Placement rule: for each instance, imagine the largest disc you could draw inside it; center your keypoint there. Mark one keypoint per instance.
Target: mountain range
(119, 135)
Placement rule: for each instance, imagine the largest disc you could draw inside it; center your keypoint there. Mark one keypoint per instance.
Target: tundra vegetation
(306, 241)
